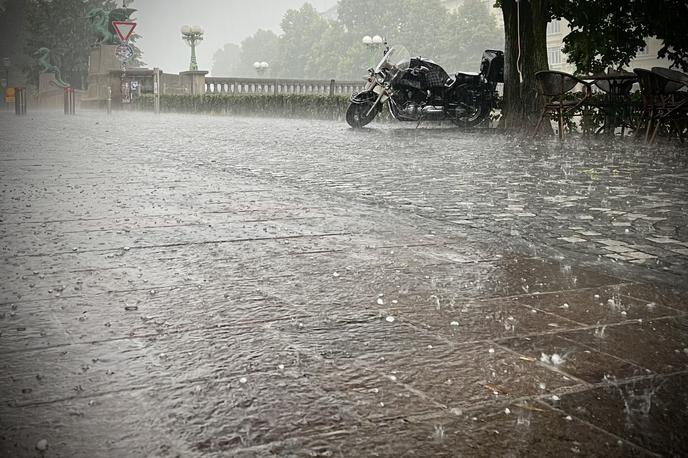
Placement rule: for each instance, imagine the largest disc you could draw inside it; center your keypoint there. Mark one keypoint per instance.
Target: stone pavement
(207, 286)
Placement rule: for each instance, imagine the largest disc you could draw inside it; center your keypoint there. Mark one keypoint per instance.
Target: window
(553, 28)
(554, 55)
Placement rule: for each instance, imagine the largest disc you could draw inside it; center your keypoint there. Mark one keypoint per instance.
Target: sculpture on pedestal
(43, 57)
(102, 23)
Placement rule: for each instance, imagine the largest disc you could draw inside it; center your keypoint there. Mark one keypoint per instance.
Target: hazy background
(224, 21)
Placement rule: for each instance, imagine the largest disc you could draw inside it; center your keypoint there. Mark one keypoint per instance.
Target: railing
(216, 85)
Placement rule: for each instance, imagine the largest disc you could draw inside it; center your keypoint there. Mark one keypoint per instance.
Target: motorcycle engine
(413, 101)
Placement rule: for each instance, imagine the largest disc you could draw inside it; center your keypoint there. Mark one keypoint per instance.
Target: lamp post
(261, 67)
(192, 35)
(373, 44)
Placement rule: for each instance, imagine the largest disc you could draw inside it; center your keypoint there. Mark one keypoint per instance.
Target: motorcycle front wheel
(357, 114)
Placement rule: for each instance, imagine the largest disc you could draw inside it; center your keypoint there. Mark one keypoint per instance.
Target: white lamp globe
(367, 40)
(186, 30)
(256, 65)
(377, 39)
(264, 65)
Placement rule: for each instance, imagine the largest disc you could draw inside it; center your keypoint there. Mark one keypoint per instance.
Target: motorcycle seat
(468, 76)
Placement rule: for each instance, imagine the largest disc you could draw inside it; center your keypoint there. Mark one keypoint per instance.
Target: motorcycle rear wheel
(474, 115)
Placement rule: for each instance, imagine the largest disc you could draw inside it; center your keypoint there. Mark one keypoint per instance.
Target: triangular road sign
(124, 29)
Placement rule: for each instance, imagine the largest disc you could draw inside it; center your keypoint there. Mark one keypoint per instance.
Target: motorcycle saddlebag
(492, 66)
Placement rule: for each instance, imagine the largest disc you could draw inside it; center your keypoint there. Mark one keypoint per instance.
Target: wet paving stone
(658, 295)
(597, 305)
(353, 338)
(372, 395)
(171, 297)
(526, 430)
(475, 321)
(650, 412)
(256, 409)
(84, 428)
(659, 346)
(468, 375)
(571, 358)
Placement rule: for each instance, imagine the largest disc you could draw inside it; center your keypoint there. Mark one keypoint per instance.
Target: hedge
(275, 105)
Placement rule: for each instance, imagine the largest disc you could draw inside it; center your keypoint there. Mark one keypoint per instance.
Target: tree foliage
(610, 33)
(59, 25)
(603, 33)
(226, 60)
(311, 46)
(262, 46)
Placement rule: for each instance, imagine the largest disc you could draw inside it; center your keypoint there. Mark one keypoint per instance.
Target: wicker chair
(677, 109)
(554, 86)
(661, 104)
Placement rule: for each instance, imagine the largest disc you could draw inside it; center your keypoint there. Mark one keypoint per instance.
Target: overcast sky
(224, 21)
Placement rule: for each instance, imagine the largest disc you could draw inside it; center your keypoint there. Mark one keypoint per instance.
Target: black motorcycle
(420, 90)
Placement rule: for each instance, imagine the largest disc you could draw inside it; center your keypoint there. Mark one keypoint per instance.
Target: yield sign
(124, 29)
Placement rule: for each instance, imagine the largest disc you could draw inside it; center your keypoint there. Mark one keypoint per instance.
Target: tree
(13, 38)
(262, 46)
(226, 61)
(470, 31)
(603, 33)
(525, 53)
(59, 25)
(609, 33)
(302, 28)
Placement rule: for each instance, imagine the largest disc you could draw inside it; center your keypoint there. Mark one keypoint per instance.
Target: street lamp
(192, 35)
(261, 67)
(373, 44)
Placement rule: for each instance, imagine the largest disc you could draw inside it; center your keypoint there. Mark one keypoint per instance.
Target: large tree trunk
(521, 106)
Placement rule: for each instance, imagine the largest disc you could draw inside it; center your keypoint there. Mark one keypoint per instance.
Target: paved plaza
(197, 286)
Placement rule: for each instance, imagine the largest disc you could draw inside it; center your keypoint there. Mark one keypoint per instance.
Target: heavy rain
(222, 235)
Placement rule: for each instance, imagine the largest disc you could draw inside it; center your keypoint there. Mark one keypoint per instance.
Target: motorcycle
(418, 89)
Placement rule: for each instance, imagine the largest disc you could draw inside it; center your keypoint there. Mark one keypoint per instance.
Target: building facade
(557, 31)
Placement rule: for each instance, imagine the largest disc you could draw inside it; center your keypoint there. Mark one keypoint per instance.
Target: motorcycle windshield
(397, 59)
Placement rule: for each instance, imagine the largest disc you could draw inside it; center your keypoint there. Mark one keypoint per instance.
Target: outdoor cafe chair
(616, 105)
(556, 88)
(678, 111)
(662, 106)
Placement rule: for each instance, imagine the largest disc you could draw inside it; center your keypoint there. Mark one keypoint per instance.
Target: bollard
(109, 100)
(69, 101)
(156, 90)
(20, 101)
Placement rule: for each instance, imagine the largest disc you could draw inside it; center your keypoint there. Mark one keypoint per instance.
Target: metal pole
(69, 101)
(109, 100)
(194, 63)
(20, 101)
(156, 90)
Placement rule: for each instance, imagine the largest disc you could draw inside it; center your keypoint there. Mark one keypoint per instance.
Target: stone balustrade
(217, 85)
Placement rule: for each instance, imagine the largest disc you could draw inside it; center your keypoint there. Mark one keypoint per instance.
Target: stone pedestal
(47, 83)
(193, 82)
(102, 62)
(50, 94)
